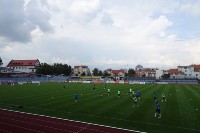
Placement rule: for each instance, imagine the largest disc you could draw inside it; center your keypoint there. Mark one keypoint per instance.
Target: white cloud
(192, 8)
(36, 33)
(82, 7)
(105, 34)
(194, 51)
(21, 18)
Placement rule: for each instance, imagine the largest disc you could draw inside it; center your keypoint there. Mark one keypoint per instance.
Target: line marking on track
(38, 119)
(36, 125)
(5, 131)
(21, 127)
(148, 123)
(83, 128)
(49, 121)
(75, 121)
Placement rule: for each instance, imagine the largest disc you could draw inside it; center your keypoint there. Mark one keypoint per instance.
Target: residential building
(120, 73)
(175, 73)
(81, 71)
(117, 74)
(145, 72)
(191, 71)
(21, 67)
(159, 73)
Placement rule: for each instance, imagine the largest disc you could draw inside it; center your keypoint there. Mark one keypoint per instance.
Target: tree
(100, 73)
(55, 69)
(165, 76)
(45, 69)
(1, 62)
(131, 72)
(59, 68)
(105, 73)
(89, 74)
(95, 72)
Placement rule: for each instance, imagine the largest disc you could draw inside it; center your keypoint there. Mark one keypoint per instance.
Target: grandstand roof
(23, 63)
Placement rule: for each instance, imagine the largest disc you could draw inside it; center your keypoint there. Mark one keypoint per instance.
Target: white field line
(76, 121)
(148, 123)
(195, 92)
(6, 114)
(82, 128)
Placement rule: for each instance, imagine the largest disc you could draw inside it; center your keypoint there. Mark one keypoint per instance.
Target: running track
(16, 122)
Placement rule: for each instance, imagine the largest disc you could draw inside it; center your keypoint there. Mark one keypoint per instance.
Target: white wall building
(145, 72)
(159, 73)
(79, 70)
(192, 71)
(23, 67)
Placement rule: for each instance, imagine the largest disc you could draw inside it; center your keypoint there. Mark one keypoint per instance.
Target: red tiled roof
(22, 63)
(175, 71)
(196, 67)
(117, 71)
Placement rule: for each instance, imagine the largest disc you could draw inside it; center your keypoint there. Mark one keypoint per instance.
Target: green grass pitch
(181, 112)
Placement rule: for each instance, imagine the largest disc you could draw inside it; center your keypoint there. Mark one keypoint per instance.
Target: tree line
(59, 68)
(55, 69)
(97, 72)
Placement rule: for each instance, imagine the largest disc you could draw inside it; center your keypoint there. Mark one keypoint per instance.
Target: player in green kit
(118, 93)
(163, 97)
(135, 101)
(133, 93)
(108, 91)
(130, 91)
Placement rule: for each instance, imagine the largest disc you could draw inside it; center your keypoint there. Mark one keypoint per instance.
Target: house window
(197, 75)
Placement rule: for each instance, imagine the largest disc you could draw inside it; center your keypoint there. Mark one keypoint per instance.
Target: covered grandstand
(131, 80)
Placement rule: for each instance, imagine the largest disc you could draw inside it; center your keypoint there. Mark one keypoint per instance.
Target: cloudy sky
(101, 33)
